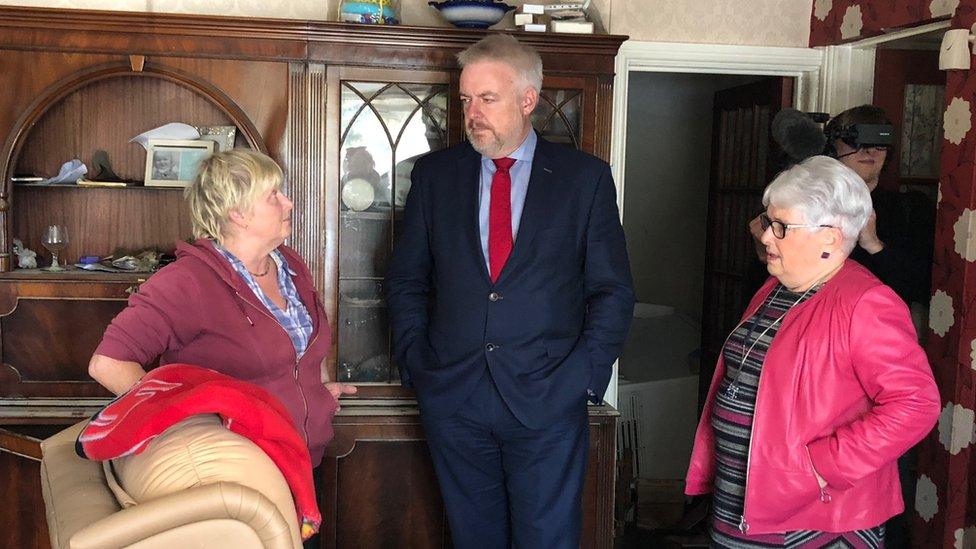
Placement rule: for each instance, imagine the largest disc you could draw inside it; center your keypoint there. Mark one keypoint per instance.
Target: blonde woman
(237, 300)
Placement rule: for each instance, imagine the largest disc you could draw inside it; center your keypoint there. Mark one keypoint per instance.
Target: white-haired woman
(237, 300)
(820, 387)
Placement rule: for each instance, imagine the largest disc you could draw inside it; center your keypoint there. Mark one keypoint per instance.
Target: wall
(753, 22)
(669, 132)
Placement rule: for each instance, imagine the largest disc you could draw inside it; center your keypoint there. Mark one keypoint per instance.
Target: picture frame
(224, 136)
(174, 162)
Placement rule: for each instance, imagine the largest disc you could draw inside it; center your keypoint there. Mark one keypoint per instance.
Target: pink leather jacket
(845, 390)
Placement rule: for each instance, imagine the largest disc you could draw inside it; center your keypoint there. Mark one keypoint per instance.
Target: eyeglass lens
(779, 230)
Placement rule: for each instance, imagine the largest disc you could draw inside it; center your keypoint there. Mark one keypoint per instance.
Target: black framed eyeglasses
(779, 228)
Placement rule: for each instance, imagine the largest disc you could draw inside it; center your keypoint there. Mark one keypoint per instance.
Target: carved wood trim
(606, 473)
(604, 117)
(330, 209)
(305, 162)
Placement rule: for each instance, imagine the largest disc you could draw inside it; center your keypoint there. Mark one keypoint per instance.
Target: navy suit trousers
(504, 484)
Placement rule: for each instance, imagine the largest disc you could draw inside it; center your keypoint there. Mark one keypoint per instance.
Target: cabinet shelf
(134, 185)
(72, 275)
(371, 216)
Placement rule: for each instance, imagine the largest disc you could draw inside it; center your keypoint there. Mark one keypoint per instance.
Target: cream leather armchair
(197, 485)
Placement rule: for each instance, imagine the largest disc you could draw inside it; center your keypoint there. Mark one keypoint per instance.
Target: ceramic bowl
(472, 14)
(358, 194)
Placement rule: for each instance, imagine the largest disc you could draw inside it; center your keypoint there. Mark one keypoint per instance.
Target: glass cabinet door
(384, 128)
(557, 116)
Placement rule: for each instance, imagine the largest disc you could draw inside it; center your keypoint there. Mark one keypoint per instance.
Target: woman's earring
(824, 255)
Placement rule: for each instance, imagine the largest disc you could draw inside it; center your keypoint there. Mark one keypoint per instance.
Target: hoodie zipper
(298, 384)
(208, 258)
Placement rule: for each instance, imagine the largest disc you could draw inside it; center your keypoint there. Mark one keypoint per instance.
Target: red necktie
(500, 217)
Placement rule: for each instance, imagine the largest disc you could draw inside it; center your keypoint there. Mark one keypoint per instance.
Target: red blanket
(169, 394)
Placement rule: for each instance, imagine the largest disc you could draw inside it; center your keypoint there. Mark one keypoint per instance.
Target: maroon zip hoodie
(199, 311)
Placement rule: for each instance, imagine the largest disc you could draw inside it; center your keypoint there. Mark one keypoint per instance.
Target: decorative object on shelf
(173, 130)
(372, 12)
(472, 14)
(102, 167)
(375, 369)
(358, 194)
(95, 183)
(566, 17)
(568, 11)
(143, 261)
(70, 172)
(574, 27)
(223, 136)
(55, 239)
(173, 162)
(26, 257)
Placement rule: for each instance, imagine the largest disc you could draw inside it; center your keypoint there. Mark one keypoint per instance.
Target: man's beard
(487, 142)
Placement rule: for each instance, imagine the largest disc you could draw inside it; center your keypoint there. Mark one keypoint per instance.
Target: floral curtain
(945, 510)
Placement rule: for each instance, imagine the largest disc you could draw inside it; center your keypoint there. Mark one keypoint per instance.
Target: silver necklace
(733, 388)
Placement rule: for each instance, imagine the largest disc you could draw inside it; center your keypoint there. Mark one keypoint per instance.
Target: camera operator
(896, 243)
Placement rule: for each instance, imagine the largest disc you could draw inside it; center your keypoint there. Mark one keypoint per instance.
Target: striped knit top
(735, 404)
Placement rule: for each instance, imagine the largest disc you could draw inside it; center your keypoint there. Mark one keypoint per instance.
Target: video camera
(859, 136)
(804, 134)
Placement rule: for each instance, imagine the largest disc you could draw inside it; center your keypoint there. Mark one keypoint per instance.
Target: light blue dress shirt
(519, 172)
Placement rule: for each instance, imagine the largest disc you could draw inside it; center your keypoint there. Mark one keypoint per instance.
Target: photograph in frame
(173, 163)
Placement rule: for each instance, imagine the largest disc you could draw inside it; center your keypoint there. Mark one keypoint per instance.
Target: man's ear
(530, 98)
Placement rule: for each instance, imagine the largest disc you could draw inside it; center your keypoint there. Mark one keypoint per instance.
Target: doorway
(668, 219)
(701, 153)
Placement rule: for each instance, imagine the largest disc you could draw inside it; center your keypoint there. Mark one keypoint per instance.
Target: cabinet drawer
(48, 331)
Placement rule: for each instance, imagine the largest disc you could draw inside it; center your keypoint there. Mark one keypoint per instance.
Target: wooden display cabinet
(334, 103)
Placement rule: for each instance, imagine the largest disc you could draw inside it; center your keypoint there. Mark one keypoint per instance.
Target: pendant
(732, 390)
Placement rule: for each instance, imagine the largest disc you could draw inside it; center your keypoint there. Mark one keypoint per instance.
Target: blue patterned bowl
(472, 14)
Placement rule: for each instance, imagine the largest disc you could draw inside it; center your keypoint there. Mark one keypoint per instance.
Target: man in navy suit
(510, 297)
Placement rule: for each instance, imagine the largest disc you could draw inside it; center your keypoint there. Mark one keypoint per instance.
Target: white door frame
(848, 72)
(804, 64)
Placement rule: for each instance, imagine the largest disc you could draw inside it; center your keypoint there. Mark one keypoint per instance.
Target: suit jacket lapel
(534, 211)
(469, 183)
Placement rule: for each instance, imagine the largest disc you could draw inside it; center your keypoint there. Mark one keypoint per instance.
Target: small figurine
(26, 258)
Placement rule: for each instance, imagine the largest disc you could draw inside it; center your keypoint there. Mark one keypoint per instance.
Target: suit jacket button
(491, 347)
(494, 296)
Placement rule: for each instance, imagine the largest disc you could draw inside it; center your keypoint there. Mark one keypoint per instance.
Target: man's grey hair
(825, 192)
(504, 48)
